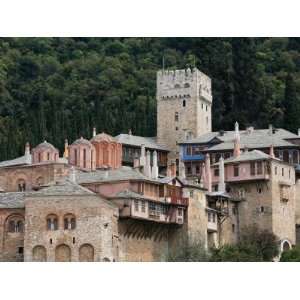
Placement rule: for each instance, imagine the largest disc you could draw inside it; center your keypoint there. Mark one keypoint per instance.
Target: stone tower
(184, 101)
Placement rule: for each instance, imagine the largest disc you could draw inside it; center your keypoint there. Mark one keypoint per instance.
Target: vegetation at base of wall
(292, 255)
(57, 88)
(255, 245)
(189, 253)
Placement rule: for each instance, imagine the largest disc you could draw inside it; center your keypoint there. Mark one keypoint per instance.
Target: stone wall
(32, 175)
(96, 229)
(11, 243)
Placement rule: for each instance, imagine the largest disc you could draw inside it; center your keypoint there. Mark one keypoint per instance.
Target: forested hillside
(57, 88)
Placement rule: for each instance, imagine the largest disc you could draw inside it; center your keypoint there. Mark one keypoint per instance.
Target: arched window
(52, 222)
(21, 185)
(86, 253)
(69, 222)
(39, 157)
(40, 181)
(184, 103)
(39, 254)
(48, 156)
(63, 253)
(15, 224)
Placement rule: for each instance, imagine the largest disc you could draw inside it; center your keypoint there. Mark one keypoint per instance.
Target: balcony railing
(177, 200)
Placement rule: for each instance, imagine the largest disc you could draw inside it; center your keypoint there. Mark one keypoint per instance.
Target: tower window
(236, 171)
(183, 103)
(233, 228)
(176, 128)
(176, 117)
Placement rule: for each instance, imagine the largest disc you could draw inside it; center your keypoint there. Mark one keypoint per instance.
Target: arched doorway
(39, 253)
(285, 245)
(62, 253)
(86, 253)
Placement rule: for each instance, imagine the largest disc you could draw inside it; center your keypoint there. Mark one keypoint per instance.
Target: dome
(45, 145)
(103, 137)
(82, 141)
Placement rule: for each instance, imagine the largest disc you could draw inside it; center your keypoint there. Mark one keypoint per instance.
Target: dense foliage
(53, 88)
(292, 255)
(254, 245)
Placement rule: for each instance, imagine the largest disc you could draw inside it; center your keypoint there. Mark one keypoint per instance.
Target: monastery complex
(134, 198)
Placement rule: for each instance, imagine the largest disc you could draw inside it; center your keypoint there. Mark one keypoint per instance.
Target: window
(275, 170)
(21, 185)
(189, 170)
(236, 170)
(176, 128)
(262, 209)
(252, 168)
(259, 190)
(75, 157)
(15, 225)
(143, 207)
(136, 205)
(84, 158)
(39, 157)
(206, 108)
(234, 210)
(180, 212)
(183, 103)
(259, 167)
(69, 222)
(48, 156)
(282, 171)
(20, 250)
(186, 85)
(52, 222)
(216, 172)
(176, 117)
(289, 174)
(197, 169)
(233, 228)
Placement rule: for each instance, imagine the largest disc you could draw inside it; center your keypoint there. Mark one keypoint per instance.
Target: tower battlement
(183, 83)
(184, 100)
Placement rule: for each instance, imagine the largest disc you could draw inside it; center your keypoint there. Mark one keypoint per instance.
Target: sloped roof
(65, 187)
(12, 200)
(252, 139)
(248, 156)
(138, 141)
(22, 160)
(123, 173)
(129, 194)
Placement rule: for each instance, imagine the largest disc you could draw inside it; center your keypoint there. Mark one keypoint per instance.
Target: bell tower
(184, 102)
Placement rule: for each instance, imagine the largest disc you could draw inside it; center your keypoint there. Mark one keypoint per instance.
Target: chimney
(143, 157)
(173, 169)
(27, 154)
(270, 129)
(221, 185)
(181, 169)
(66, 152)
(169, 171)
(207, 173)
(147, 168)
(136, 163)
(237, 146)
(72, 175)
(154, 166)
(272, 151)
(94, 131)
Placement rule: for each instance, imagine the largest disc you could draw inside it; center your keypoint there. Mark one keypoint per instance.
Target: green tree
(292, 255)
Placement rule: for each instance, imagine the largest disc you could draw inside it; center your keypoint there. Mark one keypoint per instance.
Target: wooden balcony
(175, 200)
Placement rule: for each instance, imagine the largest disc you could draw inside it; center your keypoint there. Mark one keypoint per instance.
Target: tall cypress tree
(291, 105)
